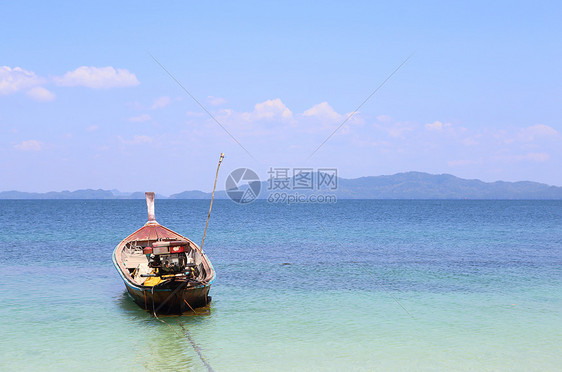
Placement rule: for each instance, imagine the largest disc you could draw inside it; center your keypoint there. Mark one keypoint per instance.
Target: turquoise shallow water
(358, 285)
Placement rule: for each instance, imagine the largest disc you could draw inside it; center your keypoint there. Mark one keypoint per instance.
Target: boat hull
(170, 301)
(165, 299)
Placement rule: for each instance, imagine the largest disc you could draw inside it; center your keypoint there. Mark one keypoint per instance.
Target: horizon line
(125, 194)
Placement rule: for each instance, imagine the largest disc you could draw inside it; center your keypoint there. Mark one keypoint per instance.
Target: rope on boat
(196, 347)
(187, 303)
(180, 287)
(187, 334)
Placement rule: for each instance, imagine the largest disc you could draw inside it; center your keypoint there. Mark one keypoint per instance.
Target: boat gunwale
(129, 280)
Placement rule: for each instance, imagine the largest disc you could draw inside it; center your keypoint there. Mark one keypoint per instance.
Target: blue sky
(83, 105)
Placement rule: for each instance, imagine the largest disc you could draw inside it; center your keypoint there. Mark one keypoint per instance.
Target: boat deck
(134, 260)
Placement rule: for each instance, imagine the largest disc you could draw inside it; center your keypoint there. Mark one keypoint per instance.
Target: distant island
(408, 185)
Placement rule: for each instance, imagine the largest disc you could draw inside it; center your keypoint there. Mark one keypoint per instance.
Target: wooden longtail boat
(163, 271)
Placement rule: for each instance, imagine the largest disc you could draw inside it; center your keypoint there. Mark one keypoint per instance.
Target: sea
(356, 285)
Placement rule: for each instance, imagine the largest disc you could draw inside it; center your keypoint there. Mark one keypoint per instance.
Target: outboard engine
(170, 263)
(168, 257)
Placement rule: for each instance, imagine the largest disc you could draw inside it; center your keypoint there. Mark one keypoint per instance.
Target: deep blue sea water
(356, 285)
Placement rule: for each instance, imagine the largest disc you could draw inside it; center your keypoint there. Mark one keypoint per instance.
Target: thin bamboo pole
(212, 198)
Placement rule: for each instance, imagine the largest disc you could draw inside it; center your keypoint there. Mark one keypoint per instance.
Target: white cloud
(15, 79)
(396, 130)
(31, 145)
(470, 141)
(399, 129)
(323, 111)
(538, 130)
(456, 163)
(273, 117)
(216, 101)
(41, 94)
(527, 134)
(268, 118)
(537, 156)
(98, 78)
(532, 156)
(198, 114)
(270, 109)
(92, 128)
(384, 118)
(161, 102)
(137, 140)
(437, 126)
(140, 118)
